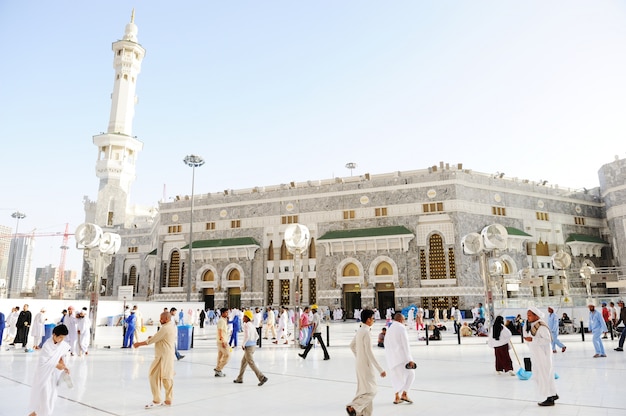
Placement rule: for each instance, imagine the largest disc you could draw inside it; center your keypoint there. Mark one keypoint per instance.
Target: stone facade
(379, 240)
(426, 265)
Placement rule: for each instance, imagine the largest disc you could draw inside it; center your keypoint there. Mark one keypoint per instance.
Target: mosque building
(377, 240)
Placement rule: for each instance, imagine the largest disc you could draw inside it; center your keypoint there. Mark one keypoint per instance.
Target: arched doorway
(385, 292)
(209, 292)
(234, 293)
(351, 292)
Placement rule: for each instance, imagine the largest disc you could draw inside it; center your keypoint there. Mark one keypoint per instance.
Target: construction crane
(64, 247)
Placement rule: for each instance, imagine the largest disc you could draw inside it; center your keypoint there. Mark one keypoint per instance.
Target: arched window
(384, 269)
(542, 248)
(208, 276)
(436, 257)
(284, 253)
(350, 269)
(132, 278)
(234, 275)
(312, 253)
(174, 270)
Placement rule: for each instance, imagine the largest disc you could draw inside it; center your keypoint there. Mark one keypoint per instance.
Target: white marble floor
(451, 378)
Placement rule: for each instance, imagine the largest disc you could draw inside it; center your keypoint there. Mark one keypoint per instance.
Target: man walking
(317, 335)
(283, 321)
(258, 324)
(223, 350)
(271, 323)
(399, 360)
(553, 324)
(23, 326)
(70, 322)
(131, 323)
(178, 355)
(361, 347)
(202, 317)
(11, 324)
(162, 369)
(538, 339)
(622, 319)
(2, 326)
(597, 327)
(250, 336)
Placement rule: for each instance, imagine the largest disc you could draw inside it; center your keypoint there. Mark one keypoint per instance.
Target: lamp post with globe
(297, 237)
(99, 248)
(492, 237)
(193, 161)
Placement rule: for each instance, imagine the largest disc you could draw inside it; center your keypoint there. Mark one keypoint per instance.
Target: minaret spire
(118, 148)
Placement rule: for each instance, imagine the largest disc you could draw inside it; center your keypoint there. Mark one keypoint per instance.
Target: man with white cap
(399, 359)
(597, 327)
(538, 339)
(553, 323)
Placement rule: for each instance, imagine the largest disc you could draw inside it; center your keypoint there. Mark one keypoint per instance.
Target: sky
(272, 91)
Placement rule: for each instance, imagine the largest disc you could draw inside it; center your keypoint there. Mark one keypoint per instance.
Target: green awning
(517, 232)
(584, 238)
(152, 253)
(366, 232)
(223, 242)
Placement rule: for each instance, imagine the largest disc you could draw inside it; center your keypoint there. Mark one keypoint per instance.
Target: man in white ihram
(538, 339)
(399, 359)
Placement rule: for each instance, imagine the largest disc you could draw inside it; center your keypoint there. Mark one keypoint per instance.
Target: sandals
(152, 405)
(351, 410)
(406, 399)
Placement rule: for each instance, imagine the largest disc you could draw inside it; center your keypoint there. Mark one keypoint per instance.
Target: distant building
(18, 269)
(5, 245)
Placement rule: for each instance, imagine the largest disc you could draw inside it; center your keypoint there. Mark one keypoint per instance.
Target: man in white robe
(12, 324)
(399, 360)
(38, 328)
(366, 389)
(538, 339)
(410, 315)
(270, 324)
(138, 323)
(83, 328)
(283, 321)
(72, 335)
(50, 366)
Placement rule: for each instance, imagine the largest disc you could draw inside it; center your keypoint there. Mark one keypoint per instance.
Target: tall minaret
(117, 148)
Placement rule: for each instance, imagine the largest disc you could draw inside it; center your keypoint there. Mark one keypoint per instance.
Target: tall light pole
(193, 161)
(351, 166)
(18, 216)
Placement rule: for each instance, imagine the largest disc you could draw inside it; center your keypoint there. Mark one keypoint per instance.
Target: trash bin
(47, 333)
(110, 320)
(185, 333)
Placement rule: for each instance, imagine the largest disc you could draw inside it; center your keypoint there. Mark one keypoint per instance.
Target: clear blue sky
(274, 91)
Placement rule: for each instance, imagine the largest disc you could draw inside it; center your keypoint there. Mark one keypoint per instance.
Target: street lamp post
(297, 237)
(18, 216)
(193, 161)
